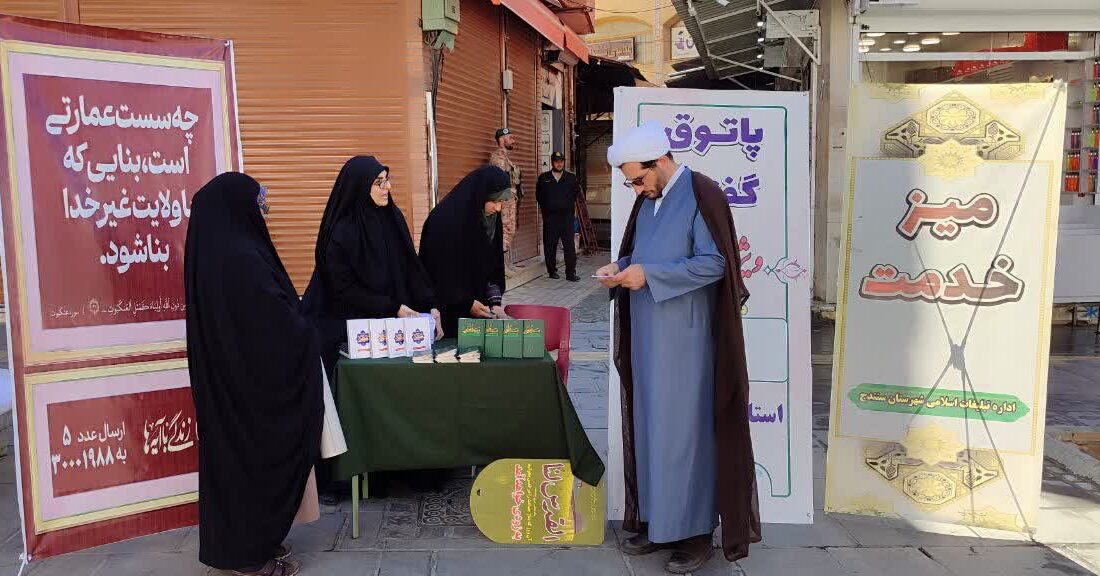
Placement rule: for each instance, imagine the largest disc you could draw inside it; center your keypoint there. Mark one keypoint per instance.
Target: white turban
(640, 144)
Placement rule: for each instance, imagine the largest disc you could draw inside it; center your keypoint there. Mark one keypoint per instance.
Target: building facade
(645, 33)
(319, 81)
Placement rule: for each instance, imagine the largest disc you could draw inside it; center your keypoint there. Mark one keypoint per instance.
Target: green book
(534, 339)
(494, 339)
(471, 333)
(513, 338)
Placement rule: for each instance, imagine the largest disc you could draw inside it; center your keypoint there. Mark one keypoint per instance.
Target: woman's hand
(479, 310)
(438, 324)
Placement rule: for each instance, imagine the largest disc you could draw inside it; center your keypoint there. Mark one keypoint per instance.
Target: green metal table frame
(355, 489)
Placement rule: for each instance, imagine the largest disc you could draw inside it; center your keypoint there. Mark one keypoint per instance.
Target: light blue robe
(672, 356)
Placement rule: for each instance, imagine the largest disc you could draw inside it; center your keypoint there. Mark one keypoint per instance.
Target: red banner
(107, 136)
(119, 440)
(122, 159)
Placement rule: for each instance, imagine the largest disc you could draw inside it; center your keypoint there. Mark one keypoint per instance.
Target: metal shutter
(317, 82)
(523, 110)
(470, 101)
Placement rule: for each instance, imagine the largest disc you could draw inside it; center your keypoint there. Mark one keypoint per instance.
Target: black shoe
(554, 276)
(573, 278)
(640, 545)
(690, 555)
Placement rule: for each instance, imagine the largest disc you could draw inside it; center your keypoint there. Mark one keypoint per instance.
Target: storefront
(979, 41)
(319, 81)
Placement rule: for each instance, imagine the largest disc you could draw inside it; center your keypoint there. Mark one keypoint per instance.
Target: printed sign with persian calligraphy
(109, 134)
(538, 502)
(754, 144)
(943, 315)
(683, 46)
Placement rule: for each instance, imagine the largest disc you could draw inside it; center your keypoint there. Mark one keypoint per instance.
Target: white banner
(946, 285)
(756, 146)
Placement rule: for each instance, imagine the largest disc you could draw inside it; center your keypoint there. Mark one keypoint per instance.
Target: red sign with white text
(113, 167)
(107, 135)
(104, 442)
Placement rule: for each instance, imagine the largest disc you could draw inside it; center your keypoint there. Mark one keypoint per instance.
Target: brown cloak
(738, 507)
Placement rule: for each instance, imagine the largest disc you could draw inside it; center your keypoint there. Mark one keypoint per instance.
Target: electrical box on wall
(439, 15)
(506, 80)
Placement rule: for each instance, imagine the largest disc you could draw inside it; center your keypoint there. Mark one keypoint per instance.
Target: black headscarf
(461, 256)
(255, 378)
(366, 265)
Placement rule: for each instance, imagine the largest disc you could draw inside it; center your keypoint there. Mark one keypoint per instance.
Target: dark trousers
(555, 228)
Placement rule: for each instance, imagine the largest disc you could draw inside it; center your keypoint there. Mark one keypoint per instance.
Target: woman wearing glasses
(366, 266)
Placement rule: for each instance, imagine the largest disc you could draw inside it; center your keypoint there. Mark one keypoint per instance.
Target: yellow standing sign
(540, 502)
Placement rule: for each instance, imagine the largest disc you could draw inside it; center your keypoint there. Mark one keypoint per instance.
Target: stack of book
(503, 338)
(389, 337)
(447, 354)
(423, 357)
(469, 355)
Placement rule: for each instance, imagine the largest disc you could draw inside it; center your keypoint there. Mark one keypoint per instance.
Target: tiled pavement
(399, 537)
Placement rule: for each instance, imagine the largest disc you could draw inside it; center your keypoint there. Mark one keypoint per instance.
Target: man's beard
(509, 147)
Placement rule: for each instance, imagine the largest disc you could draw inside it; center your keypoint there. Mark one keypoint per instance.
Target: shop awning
(726, 32)
(546, 23)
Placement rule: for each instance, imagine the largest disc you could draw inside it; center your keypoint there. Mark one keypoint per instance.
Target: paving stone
(164, 542)
(1031, 560)
(370, 527)
(577, 562)
(892, 561)
(1066, 527)
(7, 470)
(654, 565)
(870, 531)
(319, 536)
(153, 564)
(1058, 494)
(10, 549)
(365, 563)
(67, 565)
(798, 561)
(1085, 555)
(824, 532)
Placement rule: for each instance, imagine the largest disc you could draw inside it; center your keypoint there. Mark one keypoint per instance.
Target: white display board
(756, 146)
(943, 313)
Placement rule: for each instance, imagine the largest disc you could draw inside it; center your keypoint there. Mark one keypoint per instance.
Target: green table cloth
(398, 415)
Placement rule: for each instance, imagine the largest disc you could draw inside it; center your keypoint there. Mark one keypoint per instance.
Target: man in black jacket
(556, 194)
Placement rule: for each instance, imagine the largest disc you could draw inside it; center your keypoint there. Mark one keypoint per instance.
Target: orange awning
(546, 23)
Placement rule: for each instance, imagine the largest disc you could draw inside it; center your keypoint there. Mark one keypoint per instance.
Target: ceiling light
(864, 49)
(875, 34)
(760, 56)
(759, 23)
(930, 41)
(950, 33)
(911, 33)
(760, 40)
(911, 48)
(899, 42)
(867, 42)
(885, 49)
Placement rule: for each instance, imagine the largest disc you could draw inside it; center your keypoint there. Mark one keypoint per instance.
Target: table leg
(355, 508)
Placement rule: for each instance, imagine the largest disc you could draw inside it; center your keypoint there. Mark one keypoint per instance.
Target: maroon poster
(103, 442)
(107, 135)
(124, 159)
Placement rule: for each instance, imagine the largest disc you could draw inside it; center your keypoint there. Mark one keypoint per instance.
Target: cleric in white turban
(639, 144)
(680, 352)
